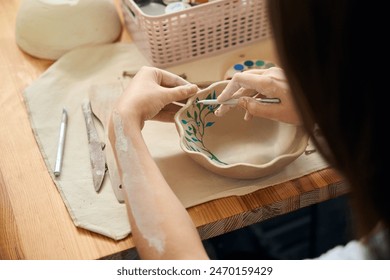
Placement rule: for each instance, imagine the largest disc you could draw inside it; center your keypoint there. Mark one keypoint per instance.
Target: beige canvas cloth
(67, 83)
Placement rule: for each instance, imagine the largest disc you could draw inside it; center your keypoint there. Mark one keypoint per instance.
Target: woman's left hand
(264, 83)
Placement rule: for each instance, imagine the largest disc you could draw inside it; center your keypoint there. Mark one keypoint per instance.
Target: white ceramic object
(50, 28)
(233, 147)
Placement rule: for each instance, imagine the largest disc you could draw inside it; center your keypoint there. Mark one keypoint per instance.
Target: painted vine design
(196, 125)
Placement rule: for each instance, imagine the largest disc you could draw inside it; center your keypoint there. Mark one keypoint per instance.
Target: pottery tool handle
(235, 101)
(61, 143)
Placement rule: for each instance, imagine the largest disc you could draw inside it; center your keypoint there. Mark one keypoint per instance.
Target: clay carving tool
(102, 99)
(61, 143)
(235, 101)
(96, 147)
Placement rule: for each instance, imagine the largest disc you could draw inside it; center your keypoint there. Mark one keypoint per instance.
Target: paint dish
(247, 65)
(232, 147)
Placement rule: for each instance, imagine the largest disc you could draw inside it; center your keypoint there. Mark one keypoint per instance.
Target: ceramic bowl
(232, 147)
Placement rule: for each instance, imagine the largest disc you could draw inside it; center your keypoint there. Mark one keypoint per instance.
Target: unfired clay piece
(233, 147)
(50, 28)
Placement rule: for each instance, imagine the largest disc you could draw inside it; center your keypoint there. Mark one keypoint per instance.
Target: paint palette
(246, 65)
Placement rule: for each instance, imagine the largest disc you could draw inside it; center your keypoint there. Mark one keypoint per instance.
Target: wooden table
(34, 222)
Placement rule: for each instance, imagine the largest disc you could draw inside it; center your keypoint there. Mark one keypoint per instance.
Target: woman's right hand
(263, 83)
(149, 92)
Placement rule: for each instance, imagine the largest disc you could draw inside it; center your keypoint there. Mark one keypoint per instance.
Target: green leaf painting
(195, 126)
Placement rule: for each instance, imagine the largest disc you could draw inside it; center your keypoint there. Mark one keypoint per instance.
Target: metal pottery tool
(61, 143)
(235, 101)
(98, 162)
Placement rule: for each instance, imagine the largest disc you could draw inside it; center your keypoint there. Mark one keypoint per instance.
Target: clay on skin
(137, 185)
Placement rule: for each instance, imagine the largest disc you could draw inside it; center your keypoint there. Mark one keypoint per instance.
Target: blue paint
(238, 67)
(249, 63)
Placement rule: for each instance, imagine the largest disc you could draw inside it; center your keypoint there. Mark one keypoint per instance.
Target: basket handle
(127, 9)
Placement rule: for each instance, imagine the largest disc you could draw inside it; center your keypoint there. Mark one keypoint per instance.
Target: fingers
(264, 82)
(248, 116)
(154, 85)
(245, 92)
(171, 80)
(260, 80)
(169, 95)
(162, 77)
(222, 110)
(172, 86)
(257, 71)
(274, 72)
(244, 84)
(252, 81)
(178, 93)
(258, 109)
(284, 112)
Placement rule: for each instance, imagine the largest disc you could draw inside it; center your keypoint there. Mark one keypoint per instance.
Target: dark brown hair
(332, 61)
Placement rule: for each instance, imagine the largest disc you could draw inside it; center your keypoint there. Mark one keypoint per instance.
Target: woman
(320, 46)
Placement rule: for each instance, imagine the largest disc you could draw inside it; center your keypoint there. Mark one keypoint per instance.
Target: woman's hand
(263, 83)
(153, 208)
(149, 92)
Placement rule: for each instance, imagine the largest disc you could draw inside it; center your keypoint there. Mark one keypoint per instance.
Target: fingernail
(247, 116)
(191, 88)
(217, 112)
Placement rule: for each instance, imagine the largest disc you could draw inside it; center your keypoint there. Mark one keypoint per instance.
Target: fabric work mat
(66, 84)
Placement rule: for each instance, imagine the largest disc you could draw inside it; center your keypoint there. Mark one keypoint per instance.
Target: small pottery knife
(103, 98)
(98, 162)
